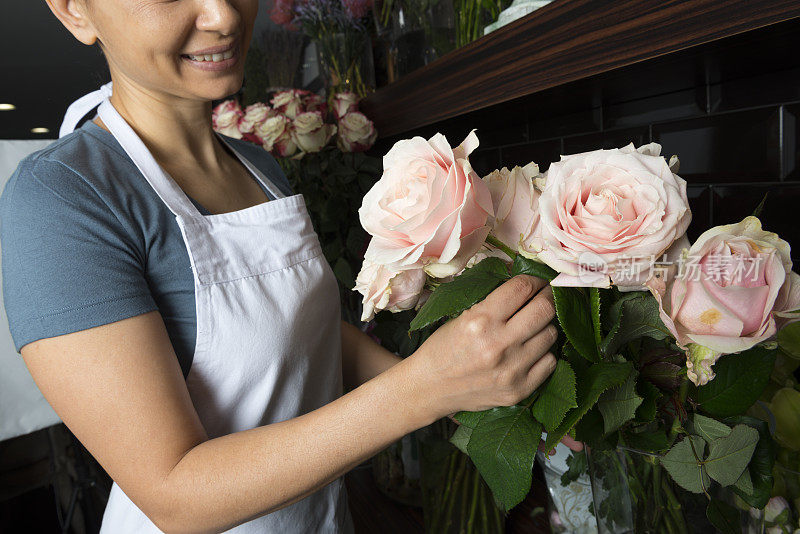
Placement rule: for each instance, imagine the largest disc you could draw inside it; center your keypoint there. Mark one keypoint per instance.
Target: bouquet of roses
(665, 345)
(297, 123)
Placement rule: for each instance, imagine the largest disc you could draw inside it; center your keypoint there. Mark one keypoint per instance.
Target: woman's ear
(73, 15)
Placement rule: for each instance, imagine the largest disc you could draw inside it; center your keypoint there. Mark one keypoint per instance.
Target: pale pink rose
(314, 102)
(356, 133)
(343, 103)
(606, 216)
(276, 135)
(387, 289)
(429, 206)
(225, 118)
(289, 102)
(515, 200)
(310, 133)
(258, 112)
(731, 292)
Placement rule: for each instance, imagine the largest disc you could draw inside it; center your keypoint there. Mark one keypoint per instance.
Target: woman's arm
(362, 358)
(119, 388)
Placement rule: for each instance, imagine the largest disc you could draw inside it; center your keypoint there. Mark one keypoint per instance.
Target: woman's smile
(219, 58)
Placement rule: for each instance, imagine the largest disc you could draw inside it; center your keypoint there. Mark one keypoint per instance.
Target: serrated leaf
(577, 464)
(594, 304)
(556, 397)
(461, 437)
(728, 456)
(740, 379)
(523, 265)
(591, 384)
(682, 465)
(636, 315)
(618, 405)
(723, 516)
(574, 316)
(707, 428)
(761, 464)
(647, 410)
(789, 339)
(503, 447)
(470, 287)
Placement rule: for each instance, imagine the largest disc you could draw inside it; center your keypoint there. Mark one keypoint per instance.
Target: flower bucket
(346, 58)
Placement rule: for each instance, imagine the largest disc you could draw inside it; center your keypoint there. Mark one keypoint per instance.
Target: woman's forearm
(225, 481)
(362, 358)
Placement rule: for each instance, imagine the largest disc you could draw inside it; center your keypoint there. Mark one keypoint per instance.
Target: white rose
(276, 134)
(310, 132)
(289, 102)
(356, 133)
(225, 118)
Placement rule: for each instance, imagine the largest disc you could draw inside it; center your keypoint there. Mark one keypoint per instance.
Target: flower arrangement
(665, 347)
(295, 123)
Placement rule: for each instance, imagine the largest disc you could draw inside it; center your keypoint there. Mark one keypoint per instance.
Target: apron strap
(78, 109)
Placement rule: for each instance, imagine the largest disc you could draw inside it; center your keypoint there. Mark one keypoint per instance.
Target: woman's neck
(177, 131)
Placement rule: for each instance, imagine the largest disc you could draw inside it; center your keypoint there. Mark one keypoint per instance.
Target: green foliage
(452, 298)
(556, 397)
(577, 464)
(632, 316)
(650, 394)
(590, 385)
(618, 405)
(523, 265)
(761, 464)
(789, 339)
(648, 440)
(684, 464)
(574, 316)
(723, 516)
(707, 428)
(740, 379)
(728, 456)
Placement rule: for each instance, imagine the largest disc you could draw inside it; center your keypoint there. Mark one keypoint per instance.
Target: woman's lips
(213, 62)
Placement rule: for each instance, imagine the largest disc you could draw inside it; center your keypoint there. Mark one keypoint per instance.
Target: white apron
(268, 334)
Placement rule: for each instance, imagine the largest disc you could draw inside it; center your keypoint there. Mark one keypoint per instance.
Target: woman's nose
(218, 16)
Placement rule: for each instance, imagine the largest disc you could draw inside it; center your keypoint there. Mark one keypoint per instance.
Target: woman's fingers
(504, 301)
(540, 370)
(576, 446)
(533, 316)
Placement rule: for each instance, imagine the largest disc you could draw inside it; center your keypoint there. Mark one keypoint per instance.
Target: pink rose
(310, 133)
(289, 102)
(356, 133)
(282, 13)
(314, 102)
(387, 289)
(515, 201)
(225, 118)
(276, 135)
(258, 112)
(343, 103)
(732, 291)
(606, 216)
(429, 207)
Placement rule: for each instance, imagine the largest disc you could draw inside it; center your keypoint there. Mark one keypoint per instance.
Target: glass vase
(633, 493)
(396, 470)
(346, 60)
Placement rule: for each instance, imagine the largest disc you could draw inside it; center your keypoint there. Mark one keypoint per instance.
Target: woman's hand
(493, 354)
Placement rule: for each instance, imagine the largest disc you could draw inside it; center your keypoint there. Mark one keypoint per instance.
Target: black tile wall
(791, 142)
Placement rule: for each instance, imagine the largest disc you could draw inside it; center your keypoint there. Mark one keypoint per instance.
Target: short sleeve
(68, 261)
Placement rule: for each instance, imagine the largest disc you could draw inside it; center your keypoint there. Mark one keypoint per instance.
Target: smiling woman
(170, 297)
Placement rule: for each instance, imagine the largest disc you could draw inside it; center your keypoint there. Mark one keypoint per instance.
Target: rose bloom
(515, 201)
(225, 118)
(310, 133)
(356, 133)
(282, 13)
(343, 103)
(607, 215)
(258, 112)
(428, 207)
(276, 135)
(314, 102)
(386, 289)
(289, 102)
(733, 290)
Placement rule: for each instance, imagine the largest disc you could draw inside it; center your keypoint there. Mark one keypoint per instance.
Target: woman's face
(191, 49)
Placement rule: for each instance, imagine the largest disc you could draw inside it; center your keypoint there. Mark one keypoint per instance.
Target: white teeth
(212, 57)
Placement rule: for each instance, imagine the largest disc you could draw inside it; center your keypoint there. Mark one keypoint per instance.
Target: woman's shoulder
(263, 161)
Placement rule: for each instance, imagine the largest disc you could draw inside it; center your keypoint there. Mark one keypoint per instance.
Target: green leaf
(574, 316)
(682, 465)
(744, 483)
(503, 447)
(728, 457)
(789, 339)
(523, 265)
(740, 379)
(760, 207)
(591, 384)
(650, 394)
(618, 405)
(452, 298)
(723, 516)
(344, 273)
(556, 397)
(461, 437)
(760, 467)
(577, 464)
(707, 428)
(594, 303)
(634, 315)
(648, 441)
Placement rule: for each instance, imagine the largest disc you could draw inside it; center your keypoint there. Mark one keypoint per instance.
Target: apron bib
(268, 342)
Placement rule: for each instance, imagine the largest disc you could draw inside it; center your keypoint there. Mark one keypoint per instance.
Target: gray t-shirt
(86, 241)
